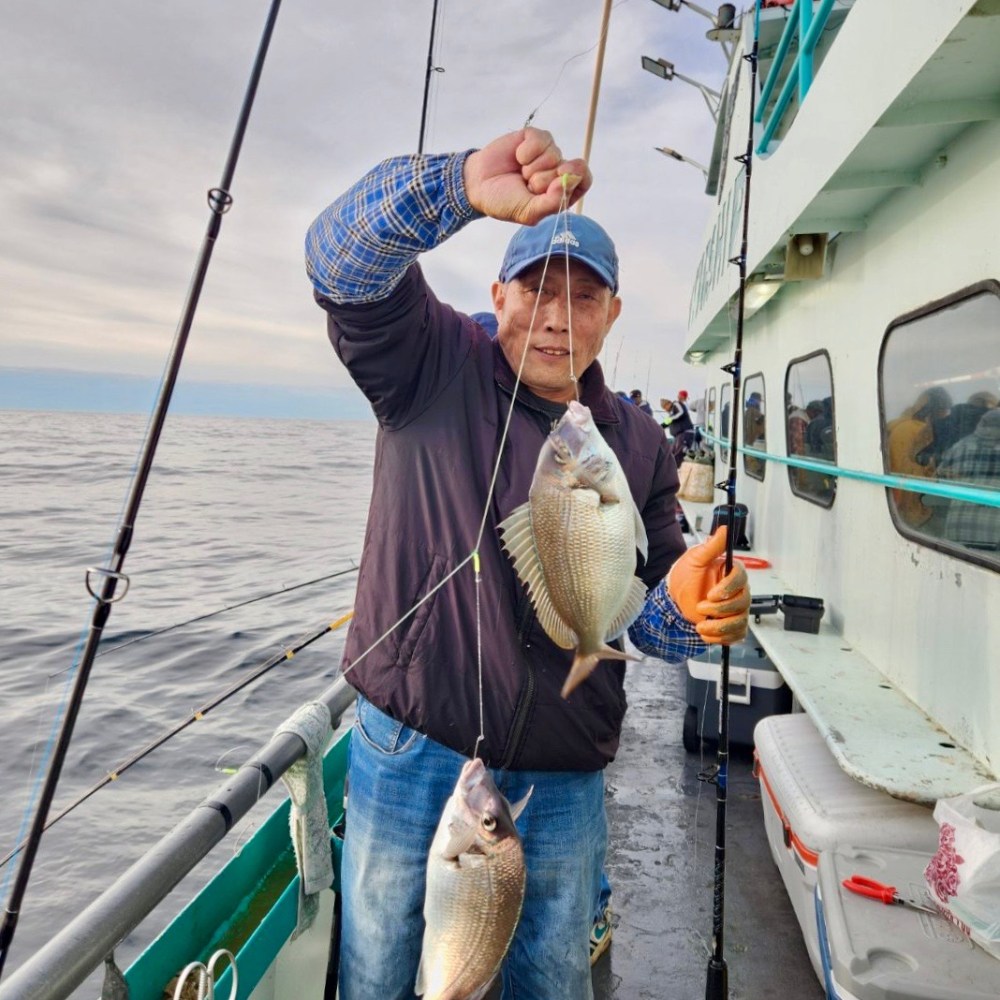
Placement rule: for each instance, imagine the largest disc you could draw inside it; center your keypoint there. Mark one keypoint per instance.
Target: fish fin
(518, 807)
(519, 541)
(635, 600)
(583, 666)
(641, 539)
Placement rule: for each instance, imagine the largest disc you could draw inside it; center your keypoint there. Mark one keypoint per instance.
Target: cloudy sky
(117, 116)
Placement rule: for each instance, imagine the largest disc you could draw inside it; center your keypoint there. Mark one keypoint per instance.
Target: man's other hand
(716, 603)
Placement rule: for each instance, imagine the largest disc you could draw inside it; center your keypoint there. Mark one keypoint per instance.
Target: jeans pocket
(380, 731)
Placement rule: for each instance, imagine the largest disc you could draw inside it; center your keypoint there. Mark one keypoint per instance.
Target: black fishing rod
(196, 716)
(106, 579)
(717, 976)
(427, 78)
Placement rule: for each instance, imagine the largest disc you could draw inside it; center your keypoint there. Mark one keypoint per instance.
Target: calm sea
(234, 509)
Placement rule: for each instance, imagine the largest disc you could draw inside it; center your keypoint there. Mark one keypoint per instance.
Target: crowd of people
(934, 439)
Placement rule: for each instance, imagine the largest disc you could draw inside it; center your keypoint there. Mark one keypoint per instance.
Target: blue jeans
(399, 783)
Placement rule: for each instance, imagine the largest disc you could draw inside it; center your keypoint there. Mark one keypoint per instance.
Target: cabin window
(725, 421)
(711, 423)
(811, 427)
(754, 425)
(939, 389)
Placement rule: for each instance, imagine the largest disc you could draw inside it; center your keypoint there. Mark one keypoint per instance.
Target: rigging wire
(717, 975)
(196, 716)
(220, 200)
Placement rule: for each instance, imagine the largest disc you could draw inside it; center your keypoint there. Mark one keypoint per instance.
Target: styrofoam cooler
(811, 806)
(756, 690)
(872, 951)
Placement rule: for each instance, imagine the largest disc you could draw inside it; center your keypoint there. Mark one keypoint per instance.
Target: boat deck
(660, 861)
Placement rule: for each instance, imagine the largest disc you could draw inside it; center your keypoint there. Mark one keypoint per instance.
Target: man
(678, 422)
(635, 396)
(444, 394)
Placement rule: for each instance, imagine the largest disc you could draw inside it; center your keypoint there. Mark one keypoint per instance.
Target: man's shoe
(600, 935)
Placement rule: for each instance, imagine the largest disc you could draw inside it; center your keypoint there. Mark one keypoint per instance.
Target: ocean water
(234, 509)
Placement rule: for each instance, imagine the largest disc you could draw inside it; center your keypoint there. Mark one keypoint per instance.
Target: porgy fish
(574, 542)
(475, 889)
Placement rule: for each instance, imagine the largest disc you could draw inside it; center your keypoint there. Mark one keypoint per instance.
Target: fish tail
(585, 663)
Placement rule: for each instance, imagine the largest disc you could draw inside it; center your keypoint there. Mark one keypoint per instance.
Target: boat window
(811, 427)
(725, 421)
(710, 421)
(939, 390)
(753, 425)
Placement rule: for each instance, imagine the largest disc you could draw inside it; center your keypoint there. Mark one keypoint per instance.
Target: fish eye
(489, 822)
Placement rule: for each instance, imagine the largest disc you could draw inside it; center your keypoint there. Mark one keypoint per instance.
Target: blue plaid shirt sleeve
(360, 247)
(662, 631)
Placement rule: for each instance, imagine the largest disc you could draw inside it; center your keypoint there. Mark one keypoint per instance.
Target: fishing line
(230, 607)
(196, 716)
(562, 69)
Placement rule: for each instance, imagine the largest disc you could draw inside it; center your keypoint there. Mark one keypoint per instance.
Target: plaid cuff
(662, 631)
(360, 247)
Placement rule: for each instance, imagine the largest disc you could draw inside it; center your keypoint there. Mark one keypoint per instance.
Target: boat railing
(807, 24)
(63, 964)
(910, 484)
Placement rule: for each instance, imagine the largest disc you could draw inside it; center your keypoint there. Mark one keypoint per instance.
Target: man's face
(583, 301)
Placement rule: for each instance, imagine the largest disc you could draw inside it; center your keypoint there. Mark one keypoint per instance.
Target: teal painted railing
(808, 25)
(911, 484)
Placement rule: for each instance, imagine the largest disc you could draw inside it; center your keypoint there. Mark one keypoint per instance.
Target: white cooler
(811, 806)
(874, 951)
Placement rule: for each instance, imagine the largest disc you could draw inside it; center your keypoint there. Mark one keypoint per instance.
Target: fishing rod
(219, 202)
(717, 974)
(431, 68)
(229, 607)
(196, 716)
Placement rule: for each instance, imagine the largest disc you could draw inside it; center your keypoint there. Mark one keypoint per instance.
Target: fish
(573, 544)
(476, 878)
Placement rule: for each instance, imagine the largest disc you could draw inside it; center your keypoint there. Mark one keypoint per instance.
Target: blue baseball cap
(565, 234)
(487, 321)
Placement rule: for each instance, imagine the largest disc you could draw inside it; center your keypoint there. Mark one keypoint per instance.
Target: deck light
(673, 154)
(665, 70)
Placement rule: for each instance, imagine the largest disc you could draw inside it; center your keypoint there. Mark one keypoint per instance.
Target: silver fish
(573, 544)
(475, 889)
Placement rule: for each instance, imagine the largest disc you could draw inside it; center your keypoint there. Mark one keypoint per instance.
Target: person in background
(677, 422)
(974, 460)
(636, 397)
(443, 392)
(487, 321)
(909, 447)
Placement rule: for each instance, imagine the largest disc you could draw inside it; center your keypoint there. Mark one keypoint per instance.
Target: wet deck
(662, 837)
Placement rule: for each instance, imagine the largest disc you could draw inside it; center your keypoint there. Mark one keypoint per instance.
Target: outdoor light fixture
(674, 155)
(665, 71)
(724, 23)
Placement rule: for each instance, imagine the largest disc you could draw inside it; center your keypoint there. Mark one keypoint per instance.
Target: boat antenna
(431, 68)
(103, 582)
(717, 976)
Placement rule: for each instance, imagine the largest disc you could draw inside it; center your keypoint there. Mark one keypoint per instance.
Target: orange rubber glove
(716, 604)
